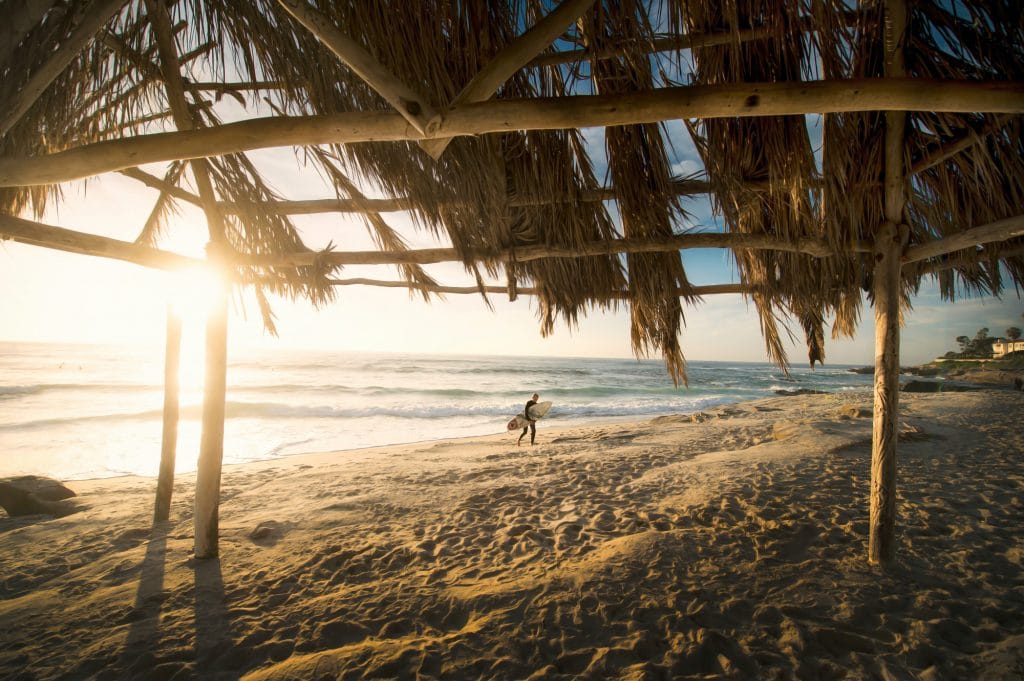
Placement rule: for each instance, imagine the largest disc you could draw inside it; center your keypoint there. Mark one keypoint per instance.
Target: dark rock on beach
(910, 371)
(800, 391)
(937, 387)
(31, 495)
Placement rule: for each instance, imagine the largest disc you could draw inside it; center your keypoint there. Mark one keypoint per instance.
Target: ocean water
(79, 412)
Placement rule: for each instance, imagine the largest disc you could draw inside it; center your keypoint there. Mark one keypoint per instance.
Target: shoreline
(561, 425)
(726, 545)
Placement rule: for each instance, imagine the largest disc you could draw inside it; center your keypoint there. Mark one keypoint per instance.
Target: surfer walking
(531, 423)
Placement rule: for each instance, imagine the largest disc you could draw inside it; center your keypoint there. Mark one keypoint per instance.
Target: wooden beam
(814, 247)
(711, 289)
(511, 59)
(313, 206)
(1000, 230)
(98, 14)
(58, 238)
(890, 242)
(48, 236)
(980, 256)
(738, 99)
(413, 106)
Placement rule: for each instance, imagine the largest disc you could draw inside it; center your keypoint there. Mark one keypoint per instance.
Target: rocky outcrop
(32, 495)
(937, 387)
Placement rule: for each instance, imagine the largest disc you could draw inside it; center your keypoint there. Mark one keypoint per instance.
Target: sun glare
(192, 295)
(192, 292)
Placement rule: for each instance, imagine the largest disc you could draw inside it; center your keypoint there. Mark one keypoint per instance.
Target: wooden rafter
(965, 259)
(671, 44)
(506, 63)
(741, 99)
(426, 256)
(59, 238)
(1000, 230)
(957, 146)
(367, 205)
(44, 235)
(100, 12)
(708, 290)
(70, 241)
(413, 106)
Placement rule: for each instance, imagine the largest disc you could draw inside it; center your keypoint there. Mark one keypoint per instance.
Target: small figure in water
(532, 425)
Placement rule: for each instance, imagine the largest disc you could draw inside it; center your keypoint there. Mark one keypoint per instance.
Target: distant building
(1003, 346)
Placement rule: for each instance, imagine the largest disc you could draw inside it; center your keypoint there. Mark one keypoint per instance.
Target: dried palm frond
(495, 193)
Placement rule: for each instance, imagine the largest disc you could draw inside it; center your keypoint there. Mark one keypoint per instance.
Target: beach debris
(34, 495)
(852, 412)
(908, 432)
(267, 532)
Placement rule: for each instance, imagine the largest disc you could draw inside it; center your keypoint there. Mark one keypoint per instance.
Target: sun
(193, 293)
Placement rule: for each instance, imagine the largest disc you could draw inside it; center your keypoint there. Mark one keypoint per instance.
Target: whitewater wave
(16, 391)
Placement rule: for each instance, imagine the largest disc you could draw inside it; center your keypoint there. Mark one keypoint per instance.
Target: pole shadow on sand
(143, 638)
(214, 644)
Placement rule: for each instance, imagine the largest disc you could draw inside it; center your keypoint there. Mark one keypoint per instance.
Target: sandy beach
(727, 544)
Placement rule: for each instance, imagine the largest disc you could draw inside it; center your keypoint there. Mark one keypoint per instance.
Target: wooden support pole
(580, 111)
(169, 440)
(211, 442)
(211, 445)
(888, 252)
(886, 292)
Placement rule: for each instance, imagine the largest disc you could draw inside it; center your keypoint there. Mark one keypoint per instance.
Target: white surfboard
(537, 411)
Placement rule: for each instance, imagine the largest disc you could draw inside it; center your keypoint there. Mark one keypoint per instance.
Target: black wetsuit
(531, 426)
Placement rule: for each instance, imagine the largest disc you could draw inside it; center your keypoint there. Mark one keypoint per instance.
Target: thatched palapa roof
(477, 118)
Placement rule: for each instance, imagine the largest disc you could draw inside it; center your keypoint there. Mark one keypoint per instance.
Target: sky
(61, 297)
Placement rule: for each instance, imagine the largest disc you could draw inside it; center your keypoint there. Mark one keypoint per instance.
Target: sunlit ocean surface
(78, 412)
